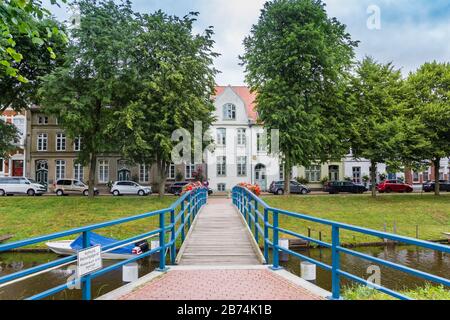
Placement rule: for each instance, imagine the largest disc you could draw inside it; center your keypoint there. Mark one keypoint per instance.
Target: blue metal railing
(189, 205)
(251, 208)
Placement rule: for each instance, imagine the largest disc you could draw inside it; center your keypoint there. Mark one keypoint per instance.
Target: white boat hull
(63, 248)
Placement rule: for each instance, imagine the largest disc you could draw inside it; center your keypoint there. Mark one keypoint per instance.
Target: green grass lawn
(29, 217)
(430, 213)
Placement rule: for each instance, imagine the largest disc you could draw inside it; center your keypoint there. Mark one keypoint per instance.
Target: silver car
(129, 188)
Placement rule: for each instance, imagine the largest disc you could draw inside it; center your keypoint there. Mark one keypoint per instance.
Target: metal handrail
(243, 198)
(190, 203)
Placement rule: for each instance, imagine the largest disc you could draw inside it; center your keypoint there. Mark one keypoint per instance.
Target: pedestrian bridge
(219, 254)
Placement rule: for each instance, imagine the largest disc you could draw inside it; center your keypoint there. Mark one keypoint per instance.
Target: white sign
(89, 260)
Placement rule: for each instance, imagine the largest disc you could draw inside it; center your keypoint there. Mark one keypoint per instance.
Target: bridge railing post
(266, 234)
(183, 222)
(162, 242)
(249, 211)
(276, 260)
(86, 280)
(256, 222)
(336, 264)
(173, 246)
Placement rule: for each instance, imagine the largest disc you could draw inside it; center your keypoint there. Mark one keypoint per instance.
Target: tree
(23, 17)
(86, 91)
(170, 85)
(374, 94)
(296, 59)
(428, 104)
(9, 137)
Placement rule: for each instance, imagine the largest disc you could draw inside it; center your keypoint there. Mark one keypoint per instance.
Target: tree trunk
(162, 177)
(437, 184)
(92, 170)
(287, 177)
(373, 178)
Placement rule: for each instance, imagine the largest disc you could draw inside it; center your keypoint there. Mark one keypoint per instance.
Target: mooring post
(162, 243)
(86, 280)
(266, 234)
(336, 264)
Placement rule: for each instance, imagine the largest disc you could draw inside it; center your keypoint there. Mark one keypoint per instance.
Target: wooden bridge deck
(219, 237)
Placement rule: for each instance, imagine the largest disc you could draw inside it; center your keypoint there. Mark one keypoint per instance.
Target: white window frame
(241, 166)
(42, 140)
(357, 174)
(22, 129)
(103, 171)
(313, 173)
(144, 173)
(229, 112)
(219, 187)
(171, 172)
(61, 141)
(221, 166)
(261, 144)
(221, 136)
(60, 169)
(242, 137)
(416, 176)
(78, 171)
(77, 144)
(189, 170)
(42, 119)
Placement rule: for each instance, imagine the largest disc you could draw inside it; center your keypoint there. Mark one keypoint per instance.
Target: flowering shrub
(252, 187)
(192, 186)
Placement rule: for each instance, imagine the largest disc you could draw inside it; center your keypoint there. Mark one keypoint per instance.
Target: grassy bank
(29, 217)
(424, 293)
(404, 213)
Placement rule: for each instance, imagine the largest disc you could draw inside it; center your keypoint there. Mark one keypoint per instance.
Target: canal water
(418, 258)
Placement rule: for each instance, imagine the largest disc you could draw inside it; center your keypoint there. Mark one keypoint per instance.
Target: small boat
(71, 247)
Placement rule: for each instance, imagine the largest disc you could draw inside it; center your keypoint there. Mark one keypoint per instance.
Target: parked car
(389, 186)
(129, 187)
(335, 187)
(177, 187)
(16, 185)
(71, 186)
(429, 186)
(277, 187)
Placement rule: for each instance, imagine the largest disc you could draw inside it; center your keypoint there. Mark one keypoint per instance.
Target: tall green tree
(170, 87)
(375, 92)
(86, 91)
(23, 17)
(9, 137)
(296, 59)
(428, 104)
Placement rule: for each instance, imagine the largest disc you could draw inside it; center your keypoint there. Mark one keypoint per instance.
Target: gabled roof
(244, 93)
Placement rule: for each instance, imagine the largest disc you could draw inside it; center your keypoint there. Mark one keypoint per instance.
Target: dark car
(336, 187)
(430, 186)
(177, 188)
(277, 187)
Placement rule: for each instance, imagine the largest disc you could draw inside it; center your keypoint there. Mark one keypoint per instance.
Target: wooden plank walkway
(219, 237)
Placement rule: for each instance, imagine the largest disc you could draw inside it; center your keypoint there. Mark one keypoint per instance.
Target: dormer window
(229, 112)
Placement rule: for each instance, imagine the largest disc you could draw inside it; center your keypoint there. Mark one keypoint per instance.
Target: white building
(240, 154)
(14, 166)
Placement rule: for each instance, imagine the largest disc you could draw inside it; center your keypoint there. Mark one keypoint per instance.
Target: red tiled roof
(244, 93)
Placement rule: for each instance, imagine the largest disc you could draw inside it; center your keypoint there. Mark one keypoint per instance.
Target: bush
(428, 292)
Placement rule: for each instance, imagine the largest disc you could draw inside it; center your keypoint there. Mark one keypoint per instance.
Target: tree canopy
(297, 59)
(9, 138)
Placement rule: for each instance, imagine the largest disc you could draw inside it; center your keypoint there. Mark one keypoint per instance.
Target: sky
(405, 32)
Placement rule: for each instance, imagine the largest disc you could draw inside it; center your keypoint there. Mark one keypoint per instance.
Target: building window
(171, 173)
(356, 171)
(221, 136)
(261, 143)
(416, 177)
(221, 166)
(313, 173)
(60, 142)
(43, 120)
(77, 144)
(221, 187)
(19, 122)
(441, 173)
(103, 171)
(78, 171)
(229, 112)
(242, 166)
(2, 165)
(144, 171)
(60, 169)
(190, 168)
(241, 137)
(42, 142)
(426, 176)
(281, 172)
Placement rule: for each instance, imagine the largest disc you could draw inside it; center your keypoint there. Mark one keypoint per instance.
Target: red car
(389, 186)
